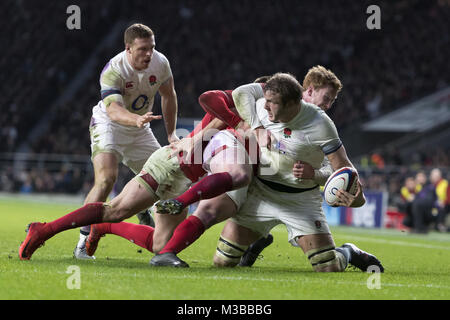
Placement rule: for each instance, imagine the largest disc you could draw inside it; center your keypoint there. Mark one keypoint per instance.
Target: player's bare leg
(134, 198)
(164, 227)
(105, 175)
(230, 170)
(320, 250)
(144, 217)
(230, 161)
(324, 257)
(208, 213)
(233, 242)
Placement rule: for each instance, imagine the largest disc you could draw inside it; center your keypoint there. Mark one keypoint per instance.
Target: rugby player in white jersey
(321, 87)
(120, 130)
(302, 131)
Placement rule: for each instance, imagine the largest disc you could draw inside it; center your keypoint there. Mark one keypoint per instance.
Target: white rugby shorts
(266, 208)
(132, 146)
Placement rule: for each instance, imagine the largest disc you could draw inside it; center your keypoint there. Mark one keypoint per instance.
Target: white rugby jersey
(136, 90)
(308, 137)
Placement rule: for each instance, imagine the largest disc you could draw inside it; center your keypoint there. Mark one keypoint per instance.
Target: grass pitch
(417, 267)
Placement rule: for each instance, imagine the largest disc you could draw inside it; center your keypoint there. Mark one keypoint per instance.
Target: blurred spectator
(408, 194)
(441, 187)
(381, 70)
(422, 208)
(430, 203)
(223, 55)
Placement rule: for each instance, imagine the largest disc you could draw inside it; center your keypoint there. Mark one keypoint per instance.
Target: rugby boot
(169, 206)
(168, 259)
(254, 250)
(81, 254)
(97, 231)
(145, 218)
(361, 259)
(36, 237)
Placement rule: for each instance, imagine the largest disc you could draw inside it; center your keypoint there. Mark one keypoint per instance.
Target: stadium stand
(381, 70)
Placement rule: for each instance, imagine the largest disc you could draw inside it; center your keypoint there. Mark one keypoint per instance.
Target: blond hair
(319, 77)
(137, 30)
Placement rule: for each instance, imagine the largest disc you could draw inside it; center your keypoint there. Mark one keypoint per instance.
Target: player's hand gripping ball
(342, 179)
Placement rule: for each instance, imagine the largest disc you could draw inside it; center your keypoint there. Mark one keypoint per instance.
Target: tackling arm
(218, 104)
(245, 100)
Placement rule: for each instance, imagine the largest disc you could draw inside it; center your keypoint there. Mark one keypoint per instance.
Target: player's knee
(228, 253)
(208, 214)
(241, 178)
(325, 259)
(115, 214)
(106, 182)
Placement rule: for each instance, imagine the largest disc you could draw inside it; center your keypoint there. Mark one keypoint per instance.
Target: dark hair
(287, 86)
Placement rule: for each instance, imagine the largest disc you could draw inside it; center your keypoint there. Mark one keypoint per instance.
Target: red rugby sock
(207, 188)
(88, 214)
(139, 234)
(186, 233)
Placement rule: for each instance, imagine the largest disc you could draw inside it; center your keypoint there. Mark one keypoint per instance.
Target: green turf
(417, 267)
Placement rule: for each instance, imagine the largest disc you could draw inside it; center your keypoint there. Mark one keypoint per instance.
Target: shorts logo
(287, 132)
(152, 80)
(318, 224)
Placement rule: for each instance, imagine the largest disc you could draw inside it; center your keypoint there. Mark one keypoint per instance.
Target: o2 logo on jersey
(140, 102)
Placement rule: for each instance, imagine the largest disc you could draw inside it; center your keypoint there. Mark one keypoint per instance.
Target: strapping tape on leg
(229, 251)
(322, 257)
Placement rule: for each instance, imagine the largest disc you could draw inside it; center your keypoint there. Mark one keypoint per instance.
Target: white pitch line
(396, 242)
(305, 280)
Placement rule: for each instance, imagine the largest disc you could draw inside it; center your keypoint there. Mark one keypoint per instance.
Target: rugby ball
(342, 179)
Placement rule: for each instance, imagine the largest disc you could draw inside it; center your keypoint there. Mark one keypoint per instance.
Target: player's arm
(111, 85)
(193, 143)
(245, 98)
(169, 107)
(218, 104)
(304, 170)
(339, 159)
(119, 114)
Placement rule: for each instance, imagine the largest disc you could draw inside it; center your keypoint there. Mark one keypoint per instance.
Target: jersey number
(140, 102)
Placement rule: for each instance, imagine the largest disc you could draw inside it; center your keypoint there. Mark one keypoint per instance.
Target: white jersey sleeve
(111, 85)
(245, 98)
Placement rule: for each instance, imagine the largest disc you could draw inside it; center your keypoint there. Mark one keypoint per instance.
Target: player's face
(276, 111)
(273, 104)
(321, 97)
(140, 52)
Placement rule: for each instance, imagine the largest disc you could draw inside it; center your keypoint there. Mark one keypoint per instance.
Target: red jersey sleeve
(219, 104)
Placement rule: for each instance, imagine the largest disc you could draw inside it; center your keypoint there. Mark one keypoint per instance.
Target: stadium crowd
(381, 69)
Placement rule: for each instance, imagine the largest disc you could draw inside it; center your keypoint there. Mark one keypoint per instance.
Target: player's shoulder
(118, 60)
(315, 112)
(160, 57)
(112, 71)
(318, 119)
